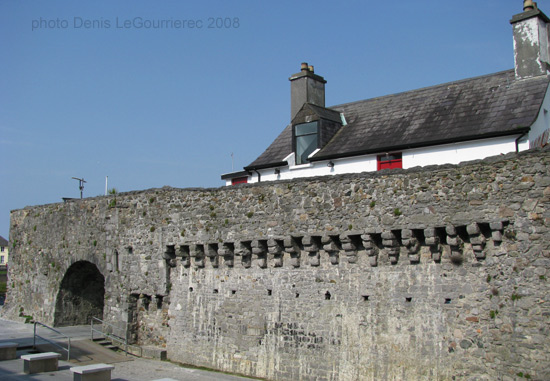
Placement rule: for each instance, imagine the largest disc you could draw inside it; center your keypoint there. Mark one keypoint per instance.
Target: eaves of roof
(233, 175)
(392, 148)
(267, 165)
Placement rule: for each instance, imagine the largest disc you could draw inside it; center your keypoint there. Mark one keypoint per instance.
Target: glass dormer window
(306, 140)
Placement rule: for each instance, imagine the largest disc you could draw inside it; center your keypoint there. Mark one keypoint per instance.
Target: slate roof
(274, 154)
(3, 241)
(475, 108)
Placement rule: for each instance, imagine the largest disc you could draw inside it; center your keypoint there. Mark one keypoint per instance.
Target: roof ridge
(426, 88)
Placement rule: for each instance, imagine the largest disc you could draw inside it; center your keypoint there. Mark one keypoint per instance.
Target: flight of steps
(139, 351)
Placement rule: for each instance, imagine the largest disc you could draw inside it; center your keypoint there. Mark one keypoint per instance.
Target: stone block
(477, 240)
(366, 238)
(496, 225)
(388, 235)
(430, 233)
(432, 241)
(450, 230)
(473, 229)
(8, 351)
(330, 247)
(407, 234)
(295, 260)
(373, 260)
(308, 241)
(93, 372)
(452, 241)
(40, 362)
(314, 259)
(496, 235)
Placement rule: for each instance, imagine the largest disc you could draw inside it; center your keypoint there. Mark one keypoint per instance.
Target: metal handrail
(68, 349)
(122, 340)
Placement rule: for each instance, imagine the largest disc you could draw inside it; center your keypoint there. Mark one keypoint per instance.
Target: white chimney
(531, 41)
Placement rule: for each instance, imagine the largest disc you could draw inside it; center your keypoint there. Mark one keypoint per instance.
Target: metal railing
(68, 349)
(123, 339)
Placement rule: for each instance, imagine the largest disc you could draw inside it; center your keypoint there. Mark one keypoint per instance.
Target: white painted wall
(341, 166)
(459, 152)
(435, 155)
(541, 126)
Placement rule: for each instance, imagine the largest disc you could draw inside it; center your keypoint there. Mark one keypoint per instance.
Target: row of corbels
(350, 245)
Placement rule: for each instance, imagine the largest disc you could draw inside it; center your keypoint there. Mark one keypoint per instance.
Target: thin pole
(80, 184)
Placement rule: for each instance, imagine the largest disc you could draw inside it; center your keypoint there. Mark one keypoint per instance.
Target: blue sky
(81, 95)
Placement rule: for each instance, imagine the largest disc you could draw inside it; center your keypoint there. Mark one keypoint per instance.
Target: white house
(449, 123)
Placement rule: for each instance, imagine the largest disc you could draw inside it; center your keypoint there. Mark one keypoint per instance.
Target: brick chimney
(306, 87)
(531, 41)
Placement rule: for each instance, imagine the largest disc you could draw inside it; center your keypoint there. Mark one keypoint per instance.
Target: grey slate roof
(3, 241)
(276, 152)
(475, 108)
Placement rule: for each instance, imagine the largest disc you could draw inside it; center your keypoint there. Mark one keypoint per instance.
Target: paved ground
(126, 368)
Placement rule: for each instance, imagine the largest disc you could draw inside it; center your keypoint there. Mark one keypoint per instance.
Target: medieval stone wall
(428, 273)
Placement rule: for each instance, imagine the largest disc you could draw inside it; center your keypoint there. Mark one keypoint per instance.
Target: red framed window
(390, 161)
(239, 180)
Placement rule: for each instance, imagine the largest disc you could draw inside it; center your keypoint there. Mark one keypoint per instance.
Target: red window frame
(239, 180)
(390, 161)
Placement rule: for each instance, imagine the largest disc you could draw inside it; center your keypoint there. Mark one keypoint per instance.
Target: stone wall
(428, 273)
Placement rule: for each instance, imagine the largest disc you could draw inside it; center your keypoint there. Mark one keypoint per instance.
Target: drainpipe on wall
(260, 176)
(518, 139)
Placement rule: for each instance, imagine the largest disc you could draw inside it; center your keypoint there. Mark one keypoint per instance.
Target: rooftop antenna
(81, 183)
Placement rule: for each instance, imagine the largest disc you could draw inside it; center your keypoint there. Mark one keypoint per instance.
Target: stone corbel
(184, 254)
(170, 255)
(259, 251)
(292, 247)
(455, 243)
(197, 253)
(331, 246)
(432, 240)
(477, 240)
(312, 249)
(275, 249)
(390, 243)
(370, 249)
(349, 247)
(243, 250)
(411, 242)
(212, 253)
(227, 252)
(496, 232)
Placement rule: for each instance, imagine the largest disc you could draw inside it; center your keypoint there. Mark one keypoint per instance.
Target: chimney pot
(528, 5)
(304, 66)
(311, 68)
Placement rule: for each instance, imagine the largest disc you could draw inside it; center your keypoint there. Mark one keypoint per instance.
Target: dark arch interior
(81, 295)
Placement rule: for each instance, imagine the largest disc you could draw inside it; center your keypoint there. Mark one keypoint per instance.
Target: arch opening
(81, 295)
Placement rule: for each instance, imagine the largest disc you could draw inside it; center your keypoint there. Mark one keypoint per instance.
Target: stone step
(105, 343)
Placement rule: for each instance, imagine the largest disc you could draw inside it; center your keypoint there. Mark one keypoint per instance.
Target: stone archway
(81, 295)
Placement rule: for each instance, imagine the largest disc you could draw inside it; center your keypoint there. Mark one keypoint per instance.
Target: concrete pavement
(127, 368)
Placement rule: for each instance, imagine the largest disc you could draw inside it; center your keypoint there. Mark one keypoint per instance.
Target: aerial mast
(81, 183)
